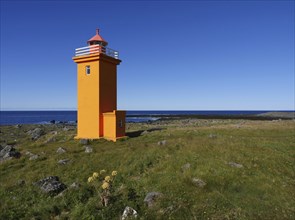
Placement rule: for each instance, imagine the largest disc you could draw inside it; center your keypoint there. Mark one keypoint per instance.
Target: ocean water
(44, 117)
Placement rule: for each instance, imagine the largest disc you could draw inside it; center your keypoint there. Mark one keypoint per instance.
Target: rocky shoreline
(264, 116)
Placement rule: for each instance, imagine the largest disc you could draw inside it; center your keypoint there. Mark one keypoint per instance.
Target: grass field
(263, 188)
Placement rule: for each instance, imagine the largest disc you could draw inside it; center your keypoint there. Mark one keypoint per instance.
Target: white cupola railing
(82, 51)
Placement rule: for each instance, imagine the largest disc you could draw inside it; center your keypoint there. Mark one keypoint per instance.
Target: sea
(47, 117)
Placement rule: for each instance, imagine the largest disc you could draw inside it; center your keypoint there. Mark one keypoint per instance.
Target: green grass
(262, 189)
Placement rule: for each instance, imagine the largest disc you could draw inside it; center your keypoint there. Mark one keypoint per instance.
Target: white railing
(96, 49)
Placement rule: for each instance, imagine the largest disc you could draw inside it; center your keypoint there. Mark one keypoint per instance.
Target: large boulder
(36, 133)
(8, 153)
(51, 185)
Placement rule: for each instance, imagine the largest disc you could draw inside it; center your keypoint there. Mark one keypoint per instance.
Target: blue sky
(176, 55)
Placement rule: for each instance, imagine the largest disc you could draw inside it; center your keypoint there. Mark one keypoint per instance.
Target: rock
(129, 212)
(68, 129)
(8, 153)
(36, 133)
(34, 157)
(28, 153)
(52, 122)
(74, 186)
(21, 182)
(143, 133)
(186, 166)
(198, 182)
(18, 126)
(237, 165)
(212, 136)
(151, 197)
(162, 142)
(61, 150)
(84, 141)
(88, 149)
(50, 140)
(63, 161)
(51, 185)
(53, 132)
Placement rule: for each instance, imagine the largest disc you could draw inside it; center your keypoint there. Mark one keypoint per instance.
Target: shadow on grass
(134, 134)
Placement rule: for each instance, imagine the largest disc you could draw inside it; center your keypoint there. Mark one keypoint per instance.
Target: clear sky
(176, 55)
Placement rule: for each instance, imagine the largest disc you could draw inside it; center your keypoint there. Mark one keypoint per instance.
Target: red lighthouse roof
(97, 39)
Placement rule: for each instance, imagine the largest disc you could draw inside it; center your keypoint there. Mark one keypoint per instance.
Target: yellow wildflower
(114, 173)
(90, 179)
(107, 178)
(102, 171)
(95, 175)
(105, 185)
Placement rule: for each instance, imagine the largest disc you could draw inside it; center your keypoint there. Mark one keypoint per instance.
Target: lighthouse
(97, 114)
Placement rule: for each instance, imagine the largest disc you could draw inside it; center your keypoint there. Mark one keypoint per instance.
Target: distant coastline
(47, 117)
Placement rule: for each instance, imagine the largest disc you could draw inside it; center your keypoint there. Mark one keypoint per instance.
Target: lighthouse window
(87, 70)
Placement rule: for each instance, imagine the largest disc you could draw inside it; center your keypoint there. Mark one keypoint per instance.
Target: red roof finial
(97, 38)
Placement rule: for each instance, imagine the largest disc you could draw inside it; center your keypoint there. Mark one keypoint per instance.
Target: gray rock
(84, 141)
(212, 136)
(34, 157)
(151, 197)
(237, 165)
(198, 182)
(129, 213)
(28, 153)
(21, 182)
(53, 132)
(51, 185)
(143, 133)
(186, 166)
(68, 128)
(61, 150)
(8, 153)
(75, 185)
(36, 133)
(88, 149)
(18, 126)
(50, 140)
(63, 161)
(162, 142)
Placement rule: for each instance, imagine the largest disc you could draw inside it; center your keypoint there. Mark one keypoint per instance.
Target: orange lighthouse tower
(98, 116)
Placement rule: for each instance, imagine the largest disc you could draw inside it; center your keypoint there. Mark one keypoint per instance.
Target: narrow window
(87, 70)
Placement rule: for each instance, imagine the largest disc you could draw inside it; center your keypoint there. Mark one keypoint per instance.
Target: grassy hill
(246, 169)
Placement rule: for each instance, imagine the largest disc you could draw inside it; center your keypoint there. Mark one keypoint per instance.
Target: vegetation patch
(172, 169)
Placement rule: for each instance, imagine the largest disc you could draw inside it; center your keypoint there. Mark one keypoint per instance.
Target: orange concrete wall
(107, 89)
(108, 86)
(113, 128)
(109, 126)
(97, 94)
(88, 100)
